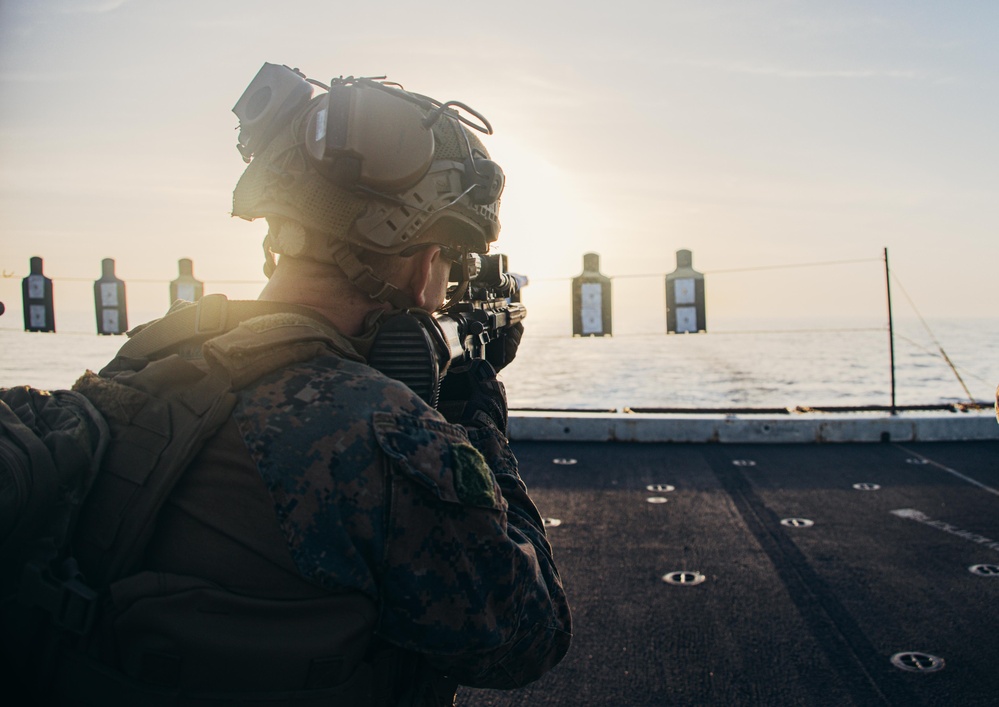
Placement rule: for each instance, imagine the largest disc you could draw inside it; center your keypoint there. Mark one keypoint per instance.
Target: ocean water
(761, 364)
(738, 363)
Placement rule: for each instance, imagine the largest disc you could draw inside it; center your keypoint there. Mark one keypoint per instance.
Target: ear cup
(367, 136)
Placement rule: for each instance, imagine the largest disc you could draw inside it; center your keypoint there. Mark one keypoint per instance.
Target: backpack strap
(188, 325)
(269, 342)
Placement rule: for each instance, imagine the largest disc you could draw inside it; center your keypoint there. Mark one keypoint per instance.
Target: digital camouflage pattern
(375, 491)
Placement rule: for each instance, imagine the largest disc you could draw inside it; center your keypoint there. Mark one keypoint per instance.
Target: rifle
(417, 348)
(476, 326)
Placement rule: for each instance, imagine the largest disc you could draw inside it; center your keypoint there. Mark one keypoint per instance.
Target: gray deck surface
(786, 615)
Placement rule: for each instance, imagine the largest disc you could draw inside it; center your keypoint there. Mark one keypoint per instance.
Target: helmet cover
(313, 214)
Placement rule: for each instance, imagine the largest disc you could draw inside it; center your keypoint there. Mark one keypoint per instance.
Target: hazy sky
(752, 133)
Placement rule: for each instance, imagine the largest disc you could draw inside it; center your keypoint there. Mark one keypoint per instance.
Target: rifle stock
(417, 348)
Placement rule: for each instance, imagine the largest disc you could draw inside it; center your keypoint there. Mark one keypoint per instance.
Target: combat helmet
(365, 165)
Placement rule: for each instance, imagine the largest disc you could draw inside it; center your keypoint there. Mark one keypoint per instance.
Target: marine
(336, 538)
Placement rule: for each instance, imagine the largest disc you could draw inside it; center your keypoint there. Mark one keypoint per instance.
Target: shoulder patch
(473, 481)
(437, 456)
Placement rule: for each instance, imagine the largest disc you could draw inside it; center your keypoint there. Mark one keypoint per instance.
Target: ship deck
(801, 574)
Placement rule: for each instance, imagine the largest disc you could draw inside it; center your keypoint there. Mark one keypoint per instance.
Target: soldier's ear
(418, 271)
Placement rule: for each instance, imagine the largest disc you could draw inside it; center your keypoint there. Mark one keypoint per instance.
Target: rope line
(797, 265)
(756, 268)
(723, 332)
(924, 349)
(934, 338)
(753, 268)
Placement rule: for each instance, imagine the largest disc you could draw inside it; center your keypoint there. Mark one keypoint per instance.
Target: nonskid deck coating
(788, 614)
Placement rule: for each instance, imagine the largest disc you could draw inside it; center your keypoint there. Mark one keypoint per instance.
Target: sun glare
(541, 219)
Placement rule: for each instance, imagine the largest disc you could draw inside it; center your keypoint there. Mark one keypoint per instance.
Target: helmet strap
(364, 278)
(459, 292)
(270, 264)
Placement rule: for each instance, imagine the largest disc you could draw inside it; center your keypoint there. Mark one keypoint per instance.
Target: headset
(366, 135)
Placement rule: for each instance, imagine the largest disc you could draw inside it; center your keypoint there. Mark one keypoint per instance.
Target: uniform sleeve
(469, 580)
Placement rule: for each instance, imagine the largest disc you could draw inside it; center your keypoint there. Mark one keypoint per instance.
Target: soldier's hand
(471, 393)
(511, 342)
(502, 351)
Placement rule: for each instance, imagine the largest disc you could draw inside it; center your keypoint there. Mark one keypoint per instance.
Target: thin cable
(930, 332)
(918, 345)
(833, 330)
(721, 332)
(794, 265)
(754, 268)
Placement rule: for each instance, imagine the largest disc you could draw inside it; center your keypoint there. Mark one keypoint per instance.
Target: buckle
(71, 603)
(211, 314)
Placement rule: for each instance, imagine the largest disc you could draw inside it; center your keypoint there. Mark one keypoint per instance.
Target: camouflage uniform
(376, 492)
(373, 491)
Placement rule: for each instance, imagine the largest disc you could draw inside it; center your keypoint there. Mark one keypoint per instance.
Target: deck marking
(564, 462)
(958, 474)
(858, 666)
(551, 522)
(662, 488)
(687, 579)
(920, 517)
(867, 487)
(798, 522)
(656, 499)
(916, 662)
(985, 570)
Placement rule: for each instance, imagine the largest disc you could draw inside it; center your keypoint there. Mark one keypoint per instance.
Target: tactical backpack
(106, 456)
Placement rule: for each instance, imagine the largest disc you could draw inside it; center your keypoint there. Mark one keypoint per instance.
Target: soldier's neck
(323, 288)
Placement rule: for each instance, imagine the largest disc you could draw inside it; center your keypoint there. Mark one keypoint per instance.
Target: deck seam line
(958, 474)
